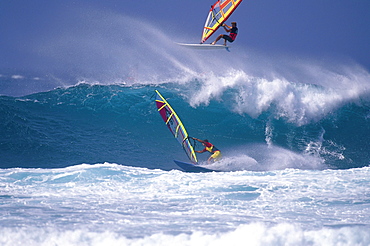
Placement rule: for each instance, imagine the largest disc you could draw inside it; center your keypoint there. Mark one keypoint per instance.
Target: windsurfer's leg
(218, 38)
(227, 38)
(215, 157)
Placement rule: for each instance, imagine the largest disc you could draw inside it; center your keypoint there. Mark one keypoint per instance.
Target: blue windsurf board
(188, 167)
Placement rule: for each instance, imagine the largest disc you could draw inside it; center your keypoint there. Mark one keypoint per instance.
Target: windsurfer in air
(215, 153)
(233, 30)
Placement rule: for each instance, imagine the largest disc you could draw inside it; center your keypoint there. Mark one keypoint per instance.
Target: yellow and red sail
(219, 13)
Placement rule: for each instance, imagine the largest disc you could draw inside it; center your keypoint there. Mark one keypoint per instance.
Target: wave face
(258, 124)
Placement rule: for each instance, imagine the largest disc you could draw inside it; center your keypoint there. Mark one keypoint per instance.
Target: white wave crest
(299, 103)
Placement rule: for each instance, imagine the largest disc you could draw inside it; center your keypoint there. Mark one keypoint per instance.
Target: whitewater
(89, 161)
(118, 205)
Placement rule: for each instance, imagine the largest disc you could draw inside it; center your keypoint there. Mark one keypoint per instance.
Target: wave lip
(299, 103)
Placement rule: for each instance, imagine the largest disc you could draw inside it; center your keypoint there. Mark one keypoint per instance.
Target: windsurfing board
(205, 46)
(188, 167)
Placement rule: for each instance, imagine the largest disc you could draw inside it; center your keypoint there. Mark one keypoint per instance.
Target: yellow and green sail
(175, 126)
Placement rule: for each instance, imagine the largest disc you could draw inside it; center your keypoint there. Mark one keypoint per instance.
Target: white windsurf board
(205, 46)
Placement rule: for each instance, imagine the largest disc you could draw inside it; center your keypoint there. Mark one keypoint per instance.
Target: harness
(212, 149)
(233, 33)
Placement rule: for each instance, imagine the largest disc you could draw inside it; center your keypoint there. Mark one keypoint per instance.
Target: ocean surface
(92, 163)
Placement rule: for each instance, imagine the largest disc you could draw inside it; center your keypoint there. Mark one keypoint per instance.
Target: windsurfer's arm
(227, 28)
(200, 151)
(201, 141)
